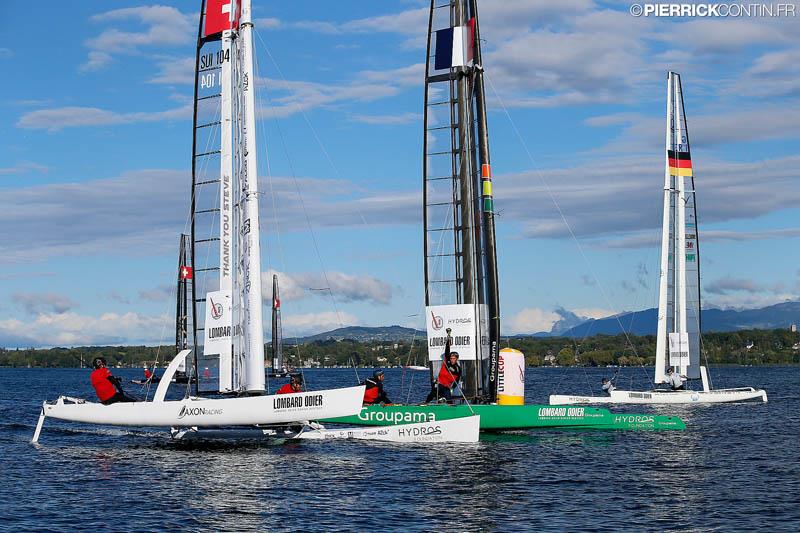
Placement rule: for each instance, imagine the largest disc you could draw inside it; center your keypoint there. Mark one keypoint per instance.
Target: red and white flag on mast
(185, 272)
(221, 15)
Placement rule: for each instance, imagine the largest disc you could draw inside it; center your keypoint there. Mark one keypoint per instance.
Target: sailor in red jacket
(449, 375)
(108, 388)
(295, 385)
(374, 393)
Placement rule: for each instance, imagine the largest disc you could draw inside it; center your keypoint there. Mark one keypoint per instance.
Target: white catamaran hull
(212, 412)
(665, 397)
(464, 429)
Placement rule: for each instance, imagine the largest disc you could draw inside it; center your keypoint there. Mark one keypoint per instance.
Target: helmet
(99, 361)
(454, 353)
(377, 373)
(296, 378)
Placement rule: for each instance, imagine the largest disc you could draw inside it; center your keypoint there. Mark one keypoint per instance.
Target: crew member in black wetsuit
(374, 393)
(449, 375)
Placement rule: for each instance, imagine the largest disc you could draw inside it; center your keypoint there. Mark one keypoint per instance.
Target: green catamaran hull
(511, 417)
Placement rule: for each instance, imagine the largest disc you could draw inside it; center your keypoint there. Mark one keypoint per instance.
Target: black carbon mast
(457, 188)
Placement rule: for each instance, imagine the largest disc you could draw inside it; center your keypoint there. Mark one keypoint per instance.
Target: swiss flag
(185, 272)
(276, 303)
(218, 16)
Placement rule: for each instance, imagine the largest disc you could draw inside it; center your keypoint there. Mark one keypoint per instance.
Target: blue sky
(96, 136)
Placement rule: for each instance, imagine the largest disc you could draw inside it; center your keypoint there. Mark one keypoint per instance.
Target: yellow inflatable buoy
(511, 379)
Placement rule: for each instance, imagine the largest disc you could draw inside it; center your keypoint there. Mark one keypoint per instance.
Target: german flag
(680, 163)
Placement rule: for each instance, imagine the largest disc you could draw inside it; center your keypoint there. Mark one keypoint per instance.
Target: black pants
(119, 397)
(440, 391)
(679, 388)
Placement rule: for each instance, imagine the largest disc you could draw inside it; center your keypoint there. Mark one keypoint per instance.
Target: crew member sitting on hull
(108, 388)
(674, 380)
(374, 393)
(608, 386)
(295, 385)
(449, 375)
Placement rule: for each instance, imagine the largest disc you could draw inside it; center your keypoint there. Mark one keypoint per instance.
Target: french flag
(455, 46)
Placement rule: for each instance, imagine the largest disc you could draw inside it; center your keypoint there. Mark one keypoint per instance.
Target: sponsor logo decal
(197, 411)
(296, 402)
(437, 322)
(561, 411)
(216, 310)
(420, 432)
(395, 417)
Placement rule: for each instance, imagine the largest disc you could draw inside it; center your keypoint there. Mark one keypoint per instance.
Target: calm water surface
(736, 467)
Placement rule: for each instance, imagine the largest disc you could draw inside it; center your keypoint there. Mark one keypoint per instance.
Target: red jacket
(102, 386)
(287, 389)
(449, 374)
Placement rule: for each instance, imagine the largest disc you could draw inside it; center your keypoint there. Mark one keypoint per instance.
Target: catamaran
(678, 343)
(222, 264)
(460, 259)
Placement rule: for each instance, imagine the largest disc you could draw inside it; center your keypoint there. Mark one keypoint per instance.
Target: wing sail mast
(459, 242)
(678, 340)
(225, 225)
(277, 341)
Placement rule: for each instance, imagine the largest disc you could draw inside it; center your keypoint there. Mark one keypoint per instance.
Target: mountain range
(643, 322)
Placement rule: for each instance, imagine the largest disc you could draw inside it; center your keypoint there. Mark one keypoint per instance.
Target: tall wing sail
(681, 167)
(212, 206)
(249, 329)
(277, 340)
(457, 195)
(678, 340)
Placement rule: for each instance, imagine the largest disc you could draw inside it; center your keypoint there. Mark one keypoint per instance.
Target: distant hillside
(644, 322)
(365, 334)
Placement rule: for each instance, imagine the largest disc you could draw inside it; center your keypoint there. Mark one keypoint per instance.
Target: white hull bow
(664, 397)
(464, 429)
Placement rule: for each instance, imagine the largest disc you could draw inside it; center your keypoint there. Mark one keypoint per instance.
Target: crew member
(674, 380)
(449, 375)
(374, 393)
(108, 388)
(295, 385)
(148, 375)
(608, 386)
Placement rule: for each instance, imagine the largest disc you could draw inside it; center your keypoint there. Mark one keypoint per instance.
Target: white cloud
(530, 320)
(310, 323)
(71, 329)
(726, 191)
(178, 71)
(344, 287)
(24, 166)
(56, 119)
(163, 26)
(387, 120)
(593, 312)
(34, 303)
(158, 294)
(267, 23)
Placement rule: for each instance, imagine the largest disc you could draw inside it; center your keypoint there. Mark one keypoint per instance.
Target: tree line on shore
(747, 347)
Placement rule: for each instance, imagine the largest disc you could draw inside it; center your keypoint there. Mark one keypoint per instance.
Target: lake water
(736, 467)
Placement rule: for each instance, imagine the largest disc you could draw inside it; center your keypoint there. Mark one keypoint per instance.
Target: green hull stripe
(509, 417)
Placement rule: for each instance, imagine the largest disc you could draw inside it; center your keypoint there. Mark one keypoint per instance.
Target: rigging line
(299, 194)
(558, 207)
(310, 125)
